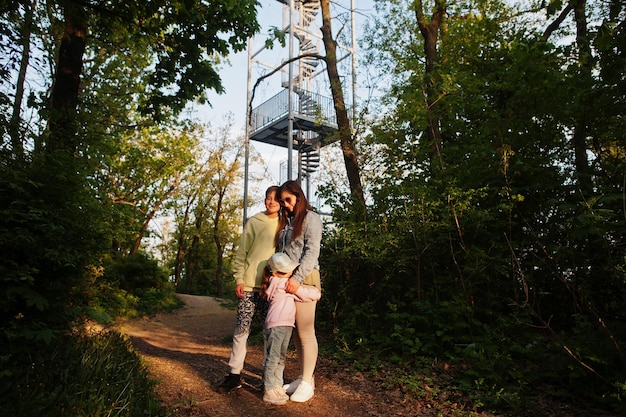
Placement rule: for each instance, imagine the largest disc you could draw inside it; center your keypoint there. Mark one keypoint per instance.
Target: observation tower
(299, 114)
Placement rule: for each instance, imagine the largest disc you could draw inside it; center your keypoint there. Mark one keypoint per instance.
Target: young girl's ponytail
(267, 274)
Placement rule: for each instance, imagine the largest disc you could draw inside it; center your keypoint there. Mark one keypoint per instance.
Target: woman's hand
(239, 290)
(292, 286)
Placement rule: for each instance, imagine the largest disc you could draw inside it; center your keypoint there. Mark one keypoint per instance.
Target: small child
(279, 322)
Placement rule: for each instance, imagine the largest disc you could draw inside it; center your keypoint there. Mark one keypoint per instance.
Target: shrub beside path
(184, 351)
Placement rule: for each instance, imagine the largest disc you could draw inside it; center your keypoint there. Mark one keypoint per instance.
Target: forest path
(185, 353)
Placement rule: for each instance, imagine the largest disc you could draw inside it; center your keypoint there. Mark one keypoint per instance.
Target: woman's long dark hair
(299, 209)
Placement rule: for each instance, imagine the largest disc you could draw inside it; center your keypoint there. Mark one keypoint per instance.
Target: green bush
(134, 272)
(77, 375)
(130, 287)
(154, 300)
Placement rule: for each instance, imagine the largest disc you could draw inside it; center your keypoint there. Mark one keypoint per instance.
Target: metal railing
(305, 103)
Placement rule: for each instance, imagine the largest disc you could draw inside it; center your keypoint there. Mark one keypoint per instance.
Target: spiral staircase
(314, 121)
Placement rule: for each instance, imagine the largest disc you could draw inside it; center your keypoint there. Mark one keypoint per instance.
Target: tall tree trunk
(194, 251)
(179, 259)
(219, 287)
(583, 171)
(181, 241)
(142, 232)
(579, 139)
(190, 268)
(17, 141)
(62, 126)
(343, 121)
(430, 32)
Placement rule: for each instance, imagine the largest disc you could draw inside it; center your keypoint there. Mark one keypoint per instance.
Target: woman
(299, 236)
(255, 248)
(279, 322)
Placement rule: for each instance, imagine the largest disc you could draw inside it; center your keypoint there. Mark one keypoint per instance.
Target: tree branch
(555, 25)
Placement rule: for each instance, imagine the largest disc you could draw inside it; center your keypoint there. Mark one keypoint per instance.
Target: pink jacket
(282, 309)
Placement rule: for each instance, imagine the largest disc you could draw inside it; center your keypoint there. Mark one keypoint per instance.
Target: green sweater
(255, 248)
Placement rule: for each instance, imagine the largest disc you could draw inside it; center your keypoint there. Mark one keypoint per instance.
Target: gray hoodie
(305, 248)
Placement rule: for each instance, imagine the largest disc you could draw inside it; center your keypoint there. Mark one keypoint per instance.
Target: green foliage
(72, 194)
(77, 374)
(113, 302)
(141, 174)
(131, 286)
(489, 254)
(208, 219)
(135, 272)
(82, 174)
(276, 34)
(156, 300)
(49, 234)
(185, 41)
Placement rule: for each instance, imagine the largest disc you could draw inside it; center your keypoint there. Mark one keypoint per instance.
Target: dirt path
(185, 354)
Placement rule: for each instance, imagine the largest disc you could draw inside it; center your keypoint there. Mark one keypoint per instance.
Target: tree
(207, 217)
(584, 77)
(346, 139)
(226, 207)
(141, 176)
(487, 228)
(54, 157)
(15, 122)
(181, 36)
(432, 79)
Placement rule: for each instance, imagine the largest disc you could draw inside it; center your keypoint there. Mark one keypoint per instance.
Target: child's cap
(280, 262)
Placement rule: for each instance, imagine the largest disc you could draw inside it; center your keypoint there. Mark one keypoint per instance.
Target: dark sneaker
(230, 383)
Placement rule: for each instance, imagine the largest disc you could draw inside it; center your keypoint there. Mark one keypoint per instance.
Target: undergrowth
(509, 380)
(80, 373)
(77, 375)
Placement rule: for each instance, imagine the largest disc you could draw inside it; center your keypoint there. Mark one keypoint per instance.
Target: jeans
(276, 344)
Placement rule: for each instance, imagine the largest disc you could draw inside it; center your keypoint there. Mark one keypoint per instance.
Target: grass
(84, 374)
(78, 375)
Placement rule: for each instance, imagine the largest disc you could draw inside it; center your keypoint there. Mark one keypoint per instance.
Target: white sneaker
(303, 393)
(290, 388)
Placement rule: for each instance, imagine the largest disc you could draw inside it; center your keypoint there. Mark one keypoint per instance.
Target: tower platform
(313, 118)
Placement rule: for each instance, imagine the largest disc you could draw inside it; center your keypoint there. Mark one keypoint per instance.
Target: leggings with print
(246, 308)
